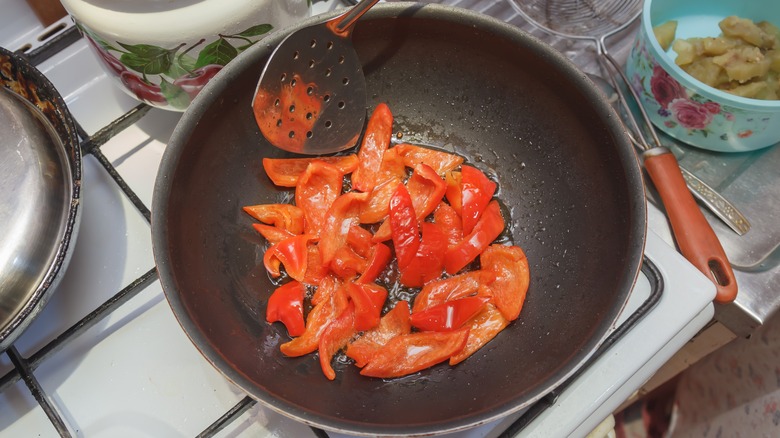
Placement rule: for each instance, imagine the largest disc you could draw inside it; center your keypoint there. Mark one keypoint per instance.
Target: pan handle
(694, 235)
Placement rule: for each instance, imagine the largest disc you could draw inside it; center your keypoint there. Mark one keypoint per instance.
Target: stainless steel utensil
(311, 97)
(597, 21)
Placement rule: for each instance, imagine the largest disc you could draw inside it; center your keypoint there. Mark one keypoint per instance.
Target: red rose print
(690, 114)
(664, 88)
(712, 107)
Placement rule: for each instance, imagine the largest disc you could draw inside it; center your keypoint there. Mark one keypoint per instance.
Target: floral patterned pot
(684, 107)
(164, 52)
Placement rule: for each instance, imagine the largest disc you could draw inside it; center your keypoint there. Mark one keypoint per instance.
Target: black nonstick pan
(455, 80)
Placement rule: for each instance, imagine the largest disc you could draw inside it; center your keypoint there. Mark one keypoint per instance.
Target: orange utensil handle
(697, 241)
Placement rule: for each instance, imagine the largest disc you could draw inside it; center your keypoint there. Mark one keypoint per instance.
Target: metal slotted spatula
(311, 97)
(597, 20)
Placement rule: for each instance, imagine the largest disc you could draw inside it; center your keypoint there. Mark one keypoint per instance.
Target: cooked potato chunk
(665, 33)
(744, 60)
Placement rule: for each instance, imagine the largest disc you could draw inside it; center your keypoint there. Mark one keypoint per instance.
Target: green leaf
(147, 59)
(183, 64)
(219, 52)
(175, 95)
(260, 29)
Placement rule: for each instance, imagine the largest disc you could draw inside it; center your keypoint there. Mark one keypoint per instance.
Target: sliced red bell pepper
(426, 189)
(340, 218)
(482, 328)
(315, 270)
(346, 263)
(378, 206)
(451, 288)
(316, 321)
(378, 258)
(368, 300)
(447, 218)
(271, 233)
(487, 229)
(285, 172)
(375, 142)
(393, 323)
(285, 216)
(428, 262)
(407, 354)
(440, 161)
(477, 191)
(359, 239)
(334, 337)
(454, 193)
(510, 266)
(293, 253)
(286, 306)
(325, 289)
(317, 189)
(449, 315)
(403, 223)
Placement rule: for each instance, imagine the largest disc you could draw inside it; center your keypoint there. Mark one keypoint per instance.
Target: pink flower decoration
(690, 114)
(665, 89)
(712, 107)
(745, 134)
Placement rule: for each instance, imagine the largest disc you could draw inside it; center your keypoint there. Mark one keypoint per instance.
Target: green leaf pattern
(161, 66)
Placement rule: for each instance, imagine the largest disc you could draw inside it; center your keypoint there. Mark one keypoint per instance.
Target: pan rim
(212, 92)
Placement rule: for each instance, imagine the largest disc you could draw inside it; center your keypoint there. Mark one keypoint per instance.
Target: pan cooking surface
(454, 80)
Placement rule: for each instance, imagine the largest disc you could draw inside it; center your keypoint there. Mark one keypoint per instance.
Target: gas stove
(106, 356)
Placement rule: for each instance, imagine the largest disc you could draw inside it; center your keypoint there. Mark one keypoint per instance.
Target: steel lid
(35, 195)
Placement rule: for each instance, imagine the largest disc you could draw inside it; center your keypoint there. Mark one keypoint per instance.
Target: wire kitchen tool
(597, 20)
(311, 97)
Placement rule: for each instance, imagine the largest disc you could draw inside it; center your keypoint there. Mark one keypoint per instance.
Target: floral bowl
(681, 105)
(164, 52)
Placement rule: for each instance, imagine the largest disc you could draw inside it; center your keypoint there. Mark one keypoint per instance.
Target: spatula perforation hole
(345, 81)
(341, 104)
(277, 102)
(328, 123)
(313, 43)
(292, 134)
(309, 116)
(293, 83)
(292, 108)
(283, 77)
(329, 45)
(309, 134)
(328, 72)
(296, 54)
(326, 98)
(310, 91)
(341, 59)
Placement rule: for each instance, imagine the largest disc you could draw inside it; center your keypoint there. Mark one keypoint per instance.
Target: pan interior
(455, 81)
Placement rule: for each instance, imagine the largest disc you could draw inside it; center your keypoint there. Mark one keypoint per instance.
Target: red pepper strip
(440, 161)
(378, 258)
(317, 189)
(428, 263)
(271, 233)
(393, 323)
(376, 140)
(407, 354)
(483, 327)
(487, 229)
(359, 239)
(334, 337)
(285, 216)
(477, 191)
(368, 300)
(293, 253)
(426, 189)
(318, 319)
(286, 305)
(325, 289)
(346, 263)
(447, 218)
(315, 270)
(453, 193)
(449, 315)
(510, 266)
(403, 223)
(341, 216)
(272, 263)
(285, 172)
(392, 166)
(451, 288)
(378, 206)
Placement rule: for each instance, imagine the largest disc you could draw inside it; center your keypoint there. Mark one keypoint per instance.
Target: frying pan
(40, 183)
(455, 80)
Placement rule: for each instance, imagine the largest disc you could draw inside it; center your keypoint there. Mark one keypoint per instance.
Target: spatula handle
(345, 22)
(697, 241)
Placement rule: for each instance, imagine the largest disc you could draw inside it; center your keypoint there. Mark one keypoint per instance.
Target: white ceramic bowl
(686, 108)
(163, 52)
